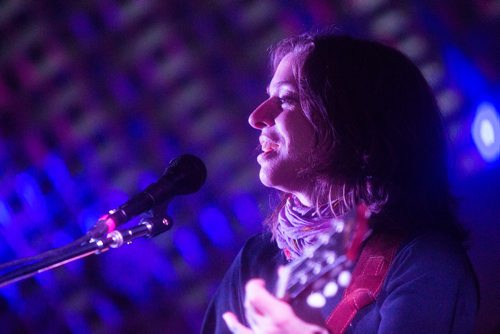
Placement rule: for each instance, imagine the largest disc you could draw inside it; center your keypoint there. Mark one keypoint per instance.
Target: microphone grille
(190, 171)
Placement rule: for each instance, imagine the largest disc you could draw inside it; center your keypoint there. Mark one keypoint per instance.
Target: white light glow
(486, 131)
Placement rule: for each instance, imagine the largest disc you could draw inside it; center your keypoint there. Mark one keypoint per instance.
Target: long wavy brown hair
(378, 130)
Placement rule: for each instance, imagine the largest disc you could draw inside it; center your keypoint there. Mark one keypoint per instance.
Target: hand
(268, 315)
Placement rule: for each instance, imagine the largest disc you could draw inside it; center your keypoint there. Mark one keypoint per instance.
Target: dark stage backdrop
(97, 96)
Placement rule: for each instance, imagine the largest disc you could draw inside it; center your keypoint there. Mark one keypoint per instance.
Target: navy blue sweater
(430, 288)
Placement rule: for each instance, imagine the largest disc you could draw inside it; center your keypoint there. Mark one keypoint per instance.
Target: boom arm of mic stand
(114, 239)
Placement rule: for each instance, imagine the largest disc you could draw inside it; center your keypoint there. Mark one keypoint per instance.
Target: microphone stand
(147, 228)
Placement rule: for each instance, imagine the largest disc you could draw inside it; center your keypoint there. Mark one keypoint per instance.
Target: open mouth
(267, 145)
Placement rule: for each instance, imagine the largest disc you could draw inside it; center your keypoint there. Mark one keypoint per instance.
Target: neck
(304, 200)
(327, 194)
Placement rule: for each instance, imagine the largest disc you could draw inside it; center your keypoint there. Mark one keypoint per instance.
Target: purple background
(97, 96)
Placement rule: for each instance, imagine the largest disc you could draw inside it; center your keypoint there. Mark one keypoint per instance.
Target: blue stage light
(189, 246)
(247, 212)
(215, 224)
(4, 214)
(486, 131)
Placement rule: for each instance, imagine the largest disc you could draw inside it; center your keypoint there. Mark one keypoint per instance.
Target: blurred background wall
(96, 96)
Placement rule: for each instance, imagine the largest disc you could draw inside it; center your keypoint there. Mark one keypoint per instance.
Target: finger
(262, 302)
(234, 325)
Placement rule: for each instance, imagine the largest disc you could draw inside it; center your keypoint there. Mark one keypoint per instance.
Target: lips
(267, 144)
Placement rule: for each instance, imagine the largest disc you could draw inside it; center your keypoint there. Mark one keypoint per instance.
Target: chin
(278, 182)
(265, 179)
(269, 177)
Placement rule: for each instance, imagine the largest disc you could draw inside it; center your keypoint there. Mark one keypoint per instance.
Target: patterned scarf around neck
(299, 226)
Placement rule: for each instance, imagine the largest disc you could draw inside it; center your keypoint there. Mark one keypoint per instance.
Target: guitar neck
(327, 265)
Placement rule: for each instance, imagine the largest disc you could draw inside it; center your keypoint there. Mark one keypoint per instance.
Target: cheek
(302, 136)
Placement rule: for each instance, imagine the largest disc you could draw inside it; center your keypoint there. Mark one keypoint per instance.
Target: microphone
(184, 175)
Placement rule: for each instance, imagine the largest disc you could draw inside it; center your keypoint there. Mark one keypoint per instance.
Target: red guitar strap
(366, 282)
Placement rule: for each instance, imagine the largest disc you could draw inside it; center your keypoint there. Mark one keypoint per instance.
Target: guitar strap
(367, 280)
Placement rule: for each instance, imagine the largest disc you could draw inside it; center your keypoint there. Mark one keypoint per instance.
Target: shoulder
(431, 249)
(435, 258)
(430, 288)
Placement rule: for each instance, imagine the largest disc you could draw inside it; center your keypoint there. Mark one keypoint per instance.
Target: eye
(288, 102)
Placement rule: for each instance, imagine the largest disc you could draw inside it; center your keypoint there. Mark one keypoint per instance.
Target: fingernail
(229, 323)
(227, 318)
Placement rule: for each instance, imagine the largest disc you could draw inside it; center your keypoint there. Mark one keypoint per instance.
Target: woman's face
(287, 137)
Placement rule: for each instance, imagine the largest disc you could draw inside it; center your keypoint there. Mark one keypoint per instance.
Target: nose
(263, 115)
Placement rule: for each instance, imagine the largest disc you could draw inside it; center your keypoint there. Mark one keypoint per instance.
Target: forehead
(284, 75)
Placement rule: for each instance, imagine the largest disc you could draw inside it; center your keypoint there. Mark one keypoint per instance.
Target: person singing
(349, 122)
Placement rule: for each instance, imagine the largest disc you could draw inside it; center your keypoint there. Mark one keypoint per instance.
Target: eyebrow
(282, 83)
